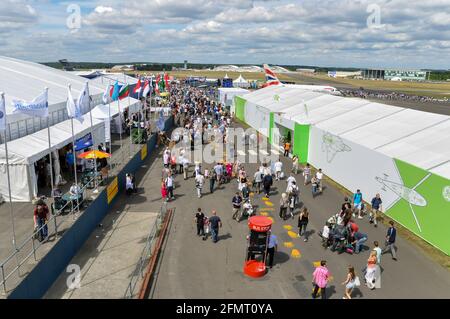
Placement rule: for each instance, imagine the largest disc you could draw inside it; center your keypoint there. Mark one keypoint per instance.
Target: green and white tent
(403, 154)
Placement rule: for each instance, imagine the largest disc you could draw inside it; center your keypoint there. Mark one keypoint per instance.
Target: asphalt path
(193, 268)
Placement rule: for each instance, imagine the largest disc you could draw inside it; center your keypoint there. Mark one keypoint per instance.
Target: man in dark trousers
(267, 183)
(271, 249)
(390, 240)
(200, 221)
(215, 223)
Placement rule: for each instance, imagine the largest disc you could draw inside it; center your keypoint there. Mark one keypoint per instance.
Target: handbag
(357, 281)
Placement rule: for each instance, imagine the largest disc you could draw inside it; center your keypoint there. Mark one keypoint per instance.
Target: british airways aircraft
(272, 79)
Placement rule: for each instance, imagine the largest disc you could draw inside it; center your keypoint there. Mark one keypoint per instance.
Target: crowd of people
(197, 112)
(393, 96)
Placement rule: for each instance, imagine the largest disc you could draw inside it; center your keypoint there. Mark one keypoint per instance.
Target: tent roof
(419, 138)
(240, 79)
(24, 80)
(102, 111)
(31, 148)
(110, 78)
(233, 90)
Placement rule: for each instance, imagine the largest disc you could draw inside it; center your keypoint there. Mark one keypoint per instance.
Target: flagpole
(11, 209)
(92, 136)
(50, 154)
(129, 120)
(120, 126)
(74, 156)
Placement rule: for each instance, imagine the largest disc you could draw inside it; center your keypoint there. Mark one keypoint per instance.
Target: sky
(341, 33)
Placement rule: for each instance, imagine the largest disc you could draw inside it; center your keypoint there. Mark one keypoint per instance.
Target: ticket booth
(257, 244)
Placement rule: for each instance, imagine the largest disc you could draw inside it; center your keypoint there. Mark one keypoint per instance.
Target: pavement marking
(252, 152)
(287, 227)
(292, 234)
(316, 264)
(263, 152)
(267, 208)
(242, 153)
(288, 244)
(273, 221)
(295, 253)
(275, 152)
(264, 214)
(270, 204)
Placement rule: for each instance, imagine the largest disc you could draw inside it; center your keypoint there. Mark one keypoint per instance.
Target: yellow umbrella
(164, 94)
(94, 154)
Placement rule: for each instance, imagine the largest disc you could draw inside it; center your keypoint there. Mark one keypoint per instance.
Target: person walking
(271, 249)
(319, 177)
(293, 193)
(371, 270)
(376, 209)
(237, 203)
(284, 204)
(314, 186)
(307, 173)
(350, 283)
(357, 202)
(267, 183)
(390, 240)
(278, 167)
(321, 276)
(185, 163)
(287, 147)
(40, 217)
(257, 179)
(169, 184)
(303, 220)
(199, 182)
(200, 222)
(163, 190)
(295, 164)
(358, 239)
(212, 181)
(215, 223)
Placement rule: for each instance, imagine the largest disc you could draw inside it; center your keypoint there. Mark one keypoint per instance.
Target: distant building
(394, 74)
(343, 74)
(185, 64)
(127, 67)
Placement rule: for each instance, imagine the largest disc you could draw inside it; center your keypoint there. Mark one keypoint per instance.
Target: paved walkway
(192, 268)
(110, 256)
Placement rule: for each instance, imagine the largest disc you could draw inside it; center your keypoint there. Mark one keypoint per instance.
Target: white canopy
(25, 151)
(416, 137)
(241, 82)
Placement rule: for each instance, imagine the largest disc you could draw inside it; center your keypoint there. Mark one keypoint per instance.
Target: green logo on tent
(276, 97)
(446, 193)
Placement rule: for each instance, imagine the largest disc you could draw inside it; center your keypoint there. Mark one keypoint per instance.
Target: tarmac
(192, 268)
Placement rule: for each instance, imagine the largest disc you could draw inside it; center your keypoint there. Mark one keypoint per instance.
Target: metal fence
(146, 254)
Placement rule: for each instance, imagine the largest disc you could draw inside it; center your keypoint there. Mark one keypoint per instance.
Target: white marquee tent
(25, 151)
(241, 82)
(24, 80)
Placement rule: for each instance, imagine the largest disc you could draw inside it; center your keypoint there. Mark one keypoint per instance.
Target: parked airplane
(272, 79)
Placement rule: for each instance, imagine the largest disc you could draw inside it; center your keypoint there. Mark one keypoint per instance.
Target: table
(73, 198)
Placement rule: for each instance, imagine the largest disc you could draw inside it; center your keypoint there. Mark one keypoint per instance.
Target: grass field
(438, 90)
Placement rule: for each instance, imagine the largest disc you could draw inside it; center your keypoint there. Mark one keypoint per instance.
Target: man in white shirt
(319, 176)
(166, 158)
(199, 181)
(169, 184)
(290, 179)
(278, 167)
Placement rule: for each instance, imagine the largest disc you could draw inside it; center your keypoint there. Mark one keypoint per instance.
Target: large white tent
(25, 151)
(403, 154)
(240, 82)
(226, 95)
(23, 80)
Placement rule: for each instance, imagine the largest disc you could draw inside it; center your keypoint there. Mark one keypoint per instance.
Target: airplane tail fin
(271, 78)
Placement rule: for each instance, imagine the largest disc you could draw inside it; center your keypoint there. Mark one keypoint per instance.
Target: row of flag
(119, 92)
(38, 107)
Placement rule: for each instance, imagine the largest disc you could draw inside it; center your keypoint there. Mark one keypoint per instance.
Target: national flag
(146, 89)
(162, 84)
(160, 124)
(115, 92)
(2, 112)
(73, 110)
(124, 91)
(36, 108)
(166, 81)
(107, 94)
(138, 88)
(84, 101)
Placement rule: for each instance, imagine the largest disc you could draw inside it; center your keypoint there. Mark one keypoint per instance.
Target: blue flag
(84, 142)
(116, 90)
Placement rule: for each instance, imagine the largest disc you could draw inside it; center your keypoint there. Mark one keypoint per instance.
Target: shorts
(358, 206)
(350, 285)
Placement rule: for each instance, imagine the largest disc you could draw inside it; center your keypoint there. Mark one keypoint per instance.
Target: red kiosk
(257, 244)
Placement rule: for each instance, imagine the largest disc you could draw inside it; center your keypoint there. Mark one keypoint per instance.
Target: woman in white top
(350, 283)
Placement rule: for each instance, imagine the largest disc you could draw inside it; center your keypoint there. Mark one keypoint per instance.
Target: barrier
(45, 273)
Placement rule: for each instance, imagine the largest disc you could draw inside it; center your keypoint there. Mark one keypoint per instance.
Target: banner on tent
(84, 142)
(144, 152)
